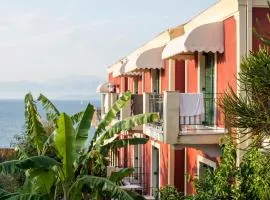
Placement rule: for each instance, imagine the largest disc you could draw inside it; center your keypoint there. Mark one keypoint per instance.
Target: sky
(43, 40)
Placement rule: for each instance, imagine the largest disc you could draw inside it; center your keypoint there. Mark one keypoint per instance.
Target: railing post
(171, 108)
(145, 106)
(107, 103)
(145, 102)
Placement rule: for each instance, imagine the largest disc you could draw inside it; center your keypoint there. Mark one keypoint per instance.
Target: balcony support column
(107, 104)
(171, 109)
(125, 111)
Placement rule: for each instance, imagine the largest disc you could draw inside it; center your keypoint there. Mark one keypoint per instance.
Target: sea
(12, 116)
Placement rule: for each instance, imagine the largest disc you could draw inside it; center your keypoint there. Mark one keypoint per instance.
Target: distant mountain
(71, 87)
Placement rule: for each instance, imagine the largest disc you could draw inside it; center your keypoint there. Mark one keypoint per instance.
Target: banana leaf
(120, 143)
(64, 141)
(82, 130)
(35, 162)
(117, 177)
(40, 181)
(23, 196)
(34, 128)
(100, 185)
(51, 111)
(77, 117)
(118, 105)
(127, 125)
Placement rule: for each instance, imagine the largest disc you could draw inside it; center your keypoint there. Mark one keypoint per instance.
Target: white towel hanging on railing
(191, 104)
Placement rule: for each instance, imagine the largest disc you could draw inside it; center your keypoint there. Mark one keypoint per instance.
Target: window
(204, 164)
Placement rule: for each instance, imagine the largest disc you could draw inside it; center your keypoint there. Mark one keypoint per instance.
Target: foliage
(262, 35)
(9, 183)
(170, 193)
(251, 180)
(60, 158)
(221, 183)
(248, 112)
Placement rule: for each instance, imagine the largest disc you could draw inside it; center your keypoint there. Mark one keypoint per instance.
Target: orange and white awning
(204, 38)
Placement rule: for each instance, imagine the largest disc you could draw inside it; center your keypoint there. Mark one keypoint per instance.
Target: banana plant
(73, 164)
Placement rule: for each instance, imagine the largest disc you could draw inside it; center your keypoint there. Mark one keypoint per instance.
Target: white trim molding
(205, 161)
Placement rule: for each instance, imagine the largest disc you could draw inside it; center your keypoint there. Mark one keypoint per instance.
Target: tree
(63, 161)
(262, 35)
(251, 180)
(248, 112)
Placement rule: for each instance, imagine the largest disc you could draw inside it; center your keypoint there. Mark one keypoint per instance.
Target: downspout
(185, 175)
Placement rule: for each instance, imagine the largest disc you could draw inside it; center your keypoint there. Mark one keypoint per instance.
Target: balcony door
(136, 161)
(155, 74)
(136, 85)
(155, 170)
(209, 88)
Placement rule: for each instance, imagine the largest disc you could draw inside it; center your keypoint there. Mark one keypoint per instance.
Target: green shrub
(170, 193)
(9, 183)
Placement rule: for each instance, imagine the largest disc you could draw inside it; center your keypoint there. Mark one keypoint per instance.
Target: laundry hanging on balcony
(191, 104)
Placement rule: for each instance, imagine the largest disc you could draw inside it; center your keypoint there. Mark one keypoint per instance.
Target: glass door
(155, 171)
(209, 88)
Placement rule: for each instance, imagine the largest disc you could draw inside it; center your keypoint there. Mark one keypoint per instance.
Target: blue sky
(42, 40)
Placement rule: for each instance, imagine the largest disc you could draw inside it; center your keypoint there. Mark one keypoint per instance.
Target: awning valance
(120, 70)
(105, 87)
(148, 59)
(204, 38)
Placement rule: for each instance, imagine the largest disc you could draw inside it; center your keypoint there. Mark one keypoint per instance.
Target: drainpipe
(185, 176)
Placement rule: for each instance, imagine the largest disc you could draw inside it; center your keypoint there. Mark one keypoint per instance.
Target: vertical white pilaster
(171, 75)
(171, 107)
(186, 76)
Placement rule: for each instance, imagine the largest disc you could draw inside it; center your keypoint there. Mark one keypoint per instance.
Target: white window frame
(206, 161)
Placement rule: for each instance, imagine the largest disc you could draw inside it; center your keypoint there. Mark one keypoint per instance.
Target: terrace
(185, 117)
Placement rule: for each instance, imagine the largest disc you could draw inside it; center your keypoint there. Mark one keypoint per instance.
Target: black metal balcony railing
(156, 105)
(209, 117)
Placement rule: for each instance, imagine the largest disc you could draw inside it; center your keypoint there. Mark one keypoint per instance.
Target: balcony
(154, 102)
(192, 124)
(206, 120)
